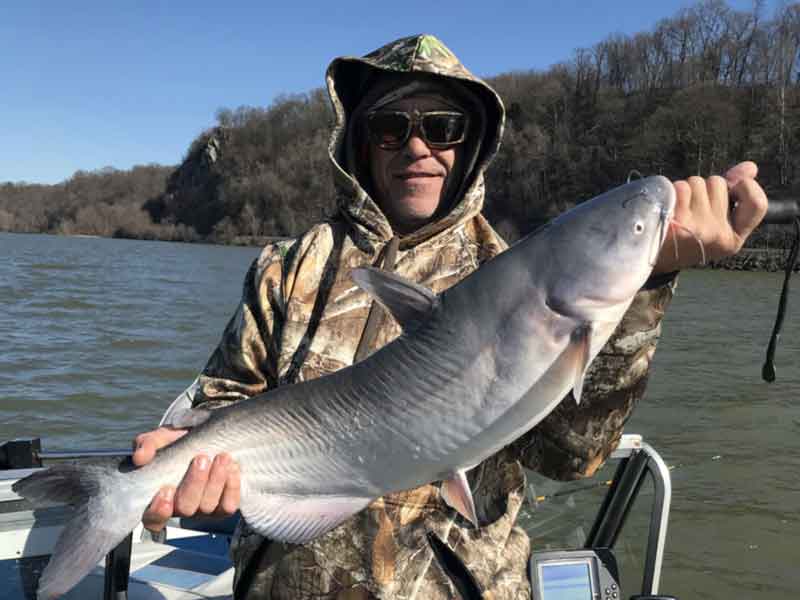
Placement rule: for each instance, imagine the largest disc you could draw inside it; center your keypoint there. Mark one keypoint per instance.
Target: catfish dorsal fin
(408, 302)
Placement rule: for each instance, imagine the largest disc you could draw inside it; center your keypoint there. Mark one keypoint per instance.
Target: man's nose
(416, 147)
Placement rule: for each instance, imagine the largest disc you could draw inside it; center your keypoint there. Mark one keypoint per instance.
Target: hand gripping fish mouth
(666, 223)
(669, 225)
(477, 366)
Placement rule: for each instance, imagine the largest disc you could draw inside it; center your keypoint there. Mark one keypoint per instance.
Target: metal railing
(637, 460)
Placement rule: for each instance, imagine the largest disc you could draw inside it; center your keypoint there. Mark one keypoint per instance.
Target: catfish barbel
(476, 367)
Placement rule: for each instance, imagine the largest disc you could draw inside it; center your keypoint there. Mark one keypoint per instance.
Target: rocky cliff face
(261, 172)
(192, 195)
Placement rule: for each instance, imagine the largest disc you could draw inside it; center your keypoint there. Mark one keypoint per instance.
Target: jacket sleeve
(245, 361)
(575, 440)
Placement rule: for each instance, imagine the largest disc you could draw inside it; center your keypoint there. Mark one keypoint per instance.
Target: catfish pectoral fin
(580, 349)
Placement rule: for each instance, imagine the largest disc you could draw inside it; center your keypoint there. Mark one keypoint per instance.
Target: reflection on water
(99, 335)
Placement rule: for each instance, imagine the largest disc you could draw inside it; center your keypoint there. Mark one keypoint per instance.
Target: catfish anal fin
(456, 494)
(186, 418)
(297, 519)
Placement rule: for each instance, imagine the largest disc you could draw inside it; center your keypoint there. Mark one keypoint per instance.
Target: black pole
(118, 567)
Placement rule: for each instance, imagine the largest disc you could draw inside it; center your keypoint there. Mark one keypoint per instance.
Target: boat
(190, 559)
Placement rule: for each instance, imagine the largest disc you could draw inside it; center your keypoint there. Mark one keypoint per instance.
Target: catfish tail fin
(108, 506)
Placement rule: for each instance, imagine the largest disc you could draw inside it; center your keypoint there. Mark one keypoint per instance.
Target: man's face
(410, 182)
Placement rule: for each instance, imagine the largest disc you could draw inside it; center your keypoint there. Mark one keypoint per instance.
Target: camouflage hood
(349, 78)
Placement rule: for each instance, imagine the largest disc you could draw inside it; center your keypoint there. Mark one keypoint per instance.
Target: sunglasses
(440, 129)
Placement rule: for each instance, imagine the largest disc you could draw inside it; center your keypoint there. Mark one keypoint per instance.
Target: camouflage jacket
(301, 316)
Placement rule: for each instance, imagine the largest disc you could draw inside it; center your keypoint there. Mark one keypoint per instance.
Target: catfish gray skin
(476, 367)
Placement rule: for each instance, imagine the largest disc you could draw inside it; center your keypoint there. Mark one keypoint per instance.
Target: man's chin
(410, 221)
(410, 211)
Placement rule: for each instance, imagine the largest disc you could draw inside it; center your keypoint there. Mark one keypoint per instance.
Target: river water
(99, 335)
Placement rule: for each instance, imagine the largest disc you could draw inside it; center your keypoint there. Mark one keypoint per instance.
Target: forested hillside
(700, 91)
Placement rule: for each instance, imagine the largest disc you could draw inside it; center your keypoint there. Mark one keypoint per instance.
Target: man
(414, 133)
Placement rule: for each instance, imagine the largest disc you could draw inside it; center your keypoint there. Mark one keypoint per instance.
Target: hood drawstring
(375, 311)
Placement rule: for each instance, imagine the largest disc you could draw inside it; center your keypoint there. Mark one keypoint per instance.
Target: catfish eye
(638, 228)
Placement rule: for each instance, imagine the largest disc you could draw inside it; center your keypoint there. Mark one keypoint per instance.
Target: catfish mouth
(665, 220)
(659, 192)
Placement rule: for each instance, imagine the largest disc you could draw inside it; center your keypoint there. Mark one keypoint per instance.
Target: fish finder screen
(566, 581)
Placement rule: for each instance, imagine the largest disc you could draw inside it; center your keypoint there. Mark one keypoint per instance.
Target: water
(735, 440)
(100, 335)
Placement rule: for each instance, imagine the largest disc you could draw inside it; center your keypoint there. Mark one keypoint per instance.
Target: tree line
(704, 89)
(107, 202)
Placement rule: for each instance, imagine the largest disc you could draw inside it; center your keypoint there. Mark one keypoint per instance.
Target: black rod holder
(118, 568)
(22, 453)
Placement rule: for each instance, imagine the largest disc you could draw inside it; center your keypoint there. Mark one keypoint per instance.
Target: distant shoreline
(754, 259)
(241, 240)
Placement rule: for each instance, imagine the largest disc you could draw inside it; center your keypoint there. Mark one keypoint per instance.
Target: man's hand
(702, 207)
(210, 488)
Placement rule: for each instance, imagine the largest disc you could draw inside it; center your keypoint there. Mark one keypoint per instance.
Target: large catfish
(476, 367)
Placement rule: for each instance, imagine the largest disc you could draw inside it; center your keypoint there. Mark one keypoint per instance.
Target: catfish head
(603, 250)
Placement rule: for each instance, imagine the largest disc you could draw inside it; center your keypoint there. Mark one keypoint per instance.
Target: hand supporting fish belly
(509, 341)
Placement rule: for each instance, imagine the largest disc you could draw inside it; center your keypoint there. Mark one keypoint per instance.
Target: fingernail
(167, 494)
(202, 463)
(223, 460)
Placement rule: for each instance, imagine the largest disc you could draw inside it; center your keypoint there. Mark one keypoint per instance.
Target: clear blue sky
(92, 84)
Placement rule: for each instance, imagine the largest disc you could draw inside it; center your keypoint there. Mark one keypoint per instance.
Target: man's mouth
(415, 175)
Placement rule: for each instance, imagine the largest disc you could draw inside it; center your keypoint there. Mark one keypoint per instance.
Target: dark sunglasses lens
(444, 129)
(388, 129)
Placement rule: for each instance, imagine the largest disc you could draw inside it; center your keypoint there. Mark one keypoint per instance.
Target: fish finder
(574, 575)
